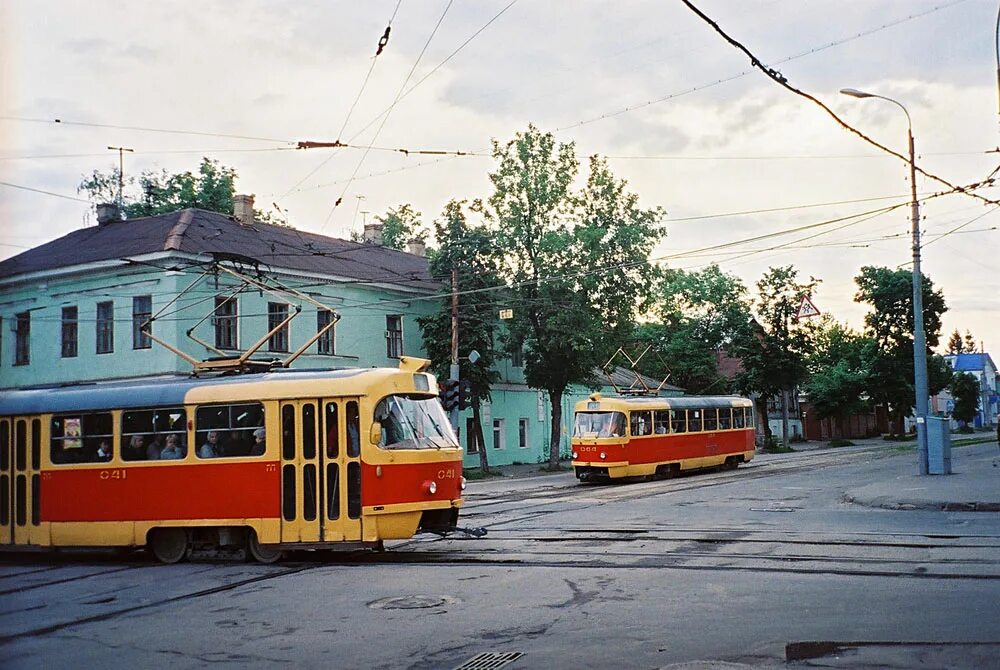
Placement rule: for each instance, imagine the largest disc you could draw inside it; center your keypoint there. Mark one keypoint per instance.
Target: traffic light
(464, 394)
(449, 395)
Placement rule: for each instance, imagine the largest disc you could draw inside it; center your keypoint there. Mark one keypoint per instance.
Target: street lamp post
(919, 340)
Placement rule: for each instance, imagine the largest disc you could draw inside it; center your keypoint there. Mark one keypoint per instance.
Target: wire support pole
(453, 376)
(919, 339)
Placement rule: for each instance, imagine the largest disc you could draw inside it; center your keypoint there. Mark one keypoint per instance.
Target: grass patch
(557, 468)
(777, 449)
(899, 438)
(841, 442)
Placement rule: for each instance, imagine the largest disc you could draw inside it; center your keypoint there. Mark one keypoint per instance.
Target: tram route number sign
(806, 309)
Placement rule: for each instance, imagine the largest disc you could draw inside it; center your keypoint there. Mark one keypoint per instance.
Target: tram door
(341, 474)
(300, 464)
(20, 462)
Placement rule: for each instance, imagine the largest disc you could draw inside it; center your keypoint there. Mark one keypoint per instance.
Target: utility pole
(453, 376)
(121, 170)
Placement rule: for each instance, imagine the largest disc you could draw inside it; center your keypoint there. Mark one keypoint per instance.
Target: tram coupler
(472, 532)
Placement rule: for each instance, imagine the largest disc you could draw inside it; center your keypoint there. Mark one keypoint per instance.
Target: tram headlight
(603, 455)
(462, 485)
(430, 487)
(575, 455)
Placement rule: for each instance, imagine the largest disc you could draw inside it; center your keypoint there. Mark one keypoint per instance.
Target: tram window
(144, 432)
(678, 420)
(36, 500)
(738, 417)
(235, 426)
(288, 492)
(749, 416)
(4, 445)
(413, 423)
(20, 500)
(36, 444)
(332, 431)
(309, 492)
(711, 420)
(82, 438)
(599, 424)
(353, 490)
(4, 498)
(353, 428)
(309, 431)
(288, 432)
(694, 420)
(641, 423)
(725, 418)
(333, 491)
(20, 445)
(661, 422)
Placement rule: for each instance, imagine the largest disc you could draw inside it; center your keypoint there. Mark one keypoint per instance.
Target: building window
(142, 310)
(517, 356)
(276, 313)
(22, 337)
(69, 331)
(471, 443)
(225, 323)
(105, 327)
(498, 436)
(522, 433)
(326, 343)
(394, 336)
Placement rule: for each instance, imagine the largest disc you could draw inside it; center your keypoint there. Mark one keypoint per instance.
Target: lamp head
(855, 93)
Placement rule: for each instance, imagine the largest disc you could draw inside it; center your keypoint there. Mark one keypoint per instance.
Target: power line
(144, 129)
(38, 190)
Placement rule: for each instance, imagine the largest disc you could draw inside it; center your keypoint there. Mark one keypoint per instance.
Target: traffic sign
(806, 308)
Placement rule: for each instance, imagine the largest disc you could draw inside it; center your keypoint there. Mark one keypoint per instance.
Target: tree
(774, 351)
(890, 325)
(464, 249)
(970, 343)
(964, 388)
(574, 263)
(401, 225)
(955, 344)
(838, 373)
(153, 193)
(699, 314)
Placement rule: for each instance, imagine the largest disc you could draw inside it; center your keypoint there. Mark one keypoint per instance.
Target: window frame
(104, 327)
(22, 338)
(326, 344)
(523, 428)
(499, 435)
(393, 335)
(280, 339)
(226, 322)
(141, 340)
(69, 336)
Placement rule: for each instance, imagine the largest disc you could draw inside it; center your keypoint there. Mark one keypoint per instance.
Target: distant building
(982, 367)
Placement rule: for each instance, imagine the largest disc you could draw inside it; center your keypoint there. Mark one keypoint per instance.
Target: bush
(841, 442)
(965, 430)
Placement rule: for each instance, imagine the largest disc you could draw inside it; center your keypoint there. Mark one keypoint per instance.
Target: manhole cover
(490, 660)
(412, 602)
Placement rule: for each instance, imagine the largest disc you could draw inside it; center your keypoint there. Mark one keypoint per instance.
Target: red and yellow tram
(640, 436)
(256, 462)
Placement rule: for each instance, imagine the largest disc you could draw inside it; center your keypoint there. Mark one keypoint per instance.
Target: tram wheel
(169, 545)
(262, 553)
(731, 463)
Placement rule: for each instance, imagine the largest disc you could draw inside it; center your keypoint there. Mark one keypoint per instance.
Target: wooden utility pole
(121, 170)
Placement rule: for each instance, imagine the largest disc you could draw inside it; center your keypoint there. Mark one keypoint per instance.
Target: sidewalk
(973, 486)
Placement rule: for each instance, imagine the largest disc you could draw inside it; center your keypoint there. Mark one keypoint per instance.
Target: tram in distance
(261, 463)
(617, 438)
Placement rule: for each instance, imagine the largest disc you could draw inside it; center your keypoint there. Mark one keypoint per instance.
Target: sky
(679, 112)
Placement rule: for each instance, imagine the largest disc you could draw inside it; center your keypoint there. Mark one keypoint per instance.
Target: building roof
(197, 231)
(971, 362)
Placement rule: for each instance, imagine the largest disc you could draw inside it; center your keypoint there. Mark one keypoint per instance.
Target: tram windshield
(599, 424)
(411, 422)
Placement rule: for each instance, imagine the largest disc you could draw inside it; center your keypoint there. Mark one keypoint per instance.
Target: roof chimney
(243, 209)
(108, 212)
(372, 234)
(417, 247)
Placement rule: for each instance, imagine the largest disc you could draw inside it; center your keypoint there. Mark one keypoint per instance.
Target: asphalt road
(766, 566)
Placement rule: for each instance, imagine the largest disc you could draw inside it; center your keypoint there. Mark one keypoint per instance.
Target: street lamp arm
(855, 93)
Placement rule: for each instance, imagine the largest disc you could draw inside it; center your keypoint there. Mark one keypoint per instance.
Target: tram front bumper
(599, 470)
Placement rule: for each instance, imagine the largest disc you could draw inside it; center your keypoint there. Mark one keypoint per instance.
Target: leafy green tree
(890, 325)
(574, 263)
(964, 389)
(774, 351)
(970, 343)
(955, 343)
(699, 314)
(464, 249)
(838, 373)
(400, 225)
